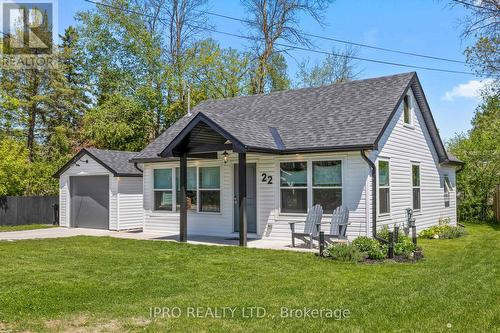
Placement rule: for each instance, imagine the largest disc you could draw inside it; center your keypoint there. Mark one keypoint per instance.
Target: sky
(427, 27)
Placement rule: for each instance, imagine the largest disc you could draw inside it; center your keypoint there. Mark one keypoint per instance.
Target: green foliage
(119, 124)
(13, 167)
(370, 247)
(365, 244)
(443, 230)
(478, 149)
(405, 247)
(345, 252)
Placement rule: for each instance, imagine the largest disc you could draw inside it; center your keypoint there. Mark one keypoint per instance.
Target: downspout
(374, 197)
(135, 166)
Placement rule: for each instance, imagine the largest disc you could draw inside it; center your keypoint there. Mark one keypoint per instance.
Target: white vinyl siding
(404, 145)
(270, 222)
(125, 195)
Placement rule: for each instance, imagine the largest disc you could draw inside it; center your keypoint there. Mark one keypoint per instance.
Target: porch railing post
(242, 196)
(183, 199)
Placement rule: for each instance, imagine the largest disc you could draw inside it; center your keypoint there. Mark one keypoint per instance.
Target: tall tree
(337, 67)
(274, 20)
(479, 150)
(483, 26)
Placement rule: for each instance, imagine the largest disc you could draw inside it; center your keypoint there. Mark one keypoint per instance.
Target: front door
(251, 198)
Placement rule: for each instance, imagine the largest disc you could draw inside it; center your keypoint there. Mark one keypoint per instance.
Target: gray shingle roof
(117, 162)
(351, 114)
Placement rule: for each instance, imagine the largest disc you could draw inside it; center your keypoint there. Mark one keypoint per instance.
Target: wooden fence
(27, 210)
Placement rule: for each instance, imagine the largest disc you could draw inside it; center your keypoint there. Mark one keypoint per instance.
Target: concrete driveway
(139, 235)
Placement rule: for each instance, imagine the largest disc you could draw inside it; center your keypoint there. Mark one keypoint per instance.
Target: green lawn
(90, 284)
(5, 228)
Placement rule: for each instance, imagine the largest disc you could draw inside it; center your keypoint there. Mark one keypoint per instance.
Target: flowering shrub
(443, 230)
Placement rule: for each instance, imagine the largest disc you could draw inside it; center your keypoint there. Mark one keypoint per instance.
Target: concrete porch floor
(58, 232)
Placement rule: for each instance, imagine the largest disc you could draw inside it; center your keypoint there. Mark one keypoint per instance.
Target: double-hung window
(447, 190)
(163, 199)
(327, 184)
(209, 189)
(293, 187)
(384, 188)
(415, 182)
(191, 191)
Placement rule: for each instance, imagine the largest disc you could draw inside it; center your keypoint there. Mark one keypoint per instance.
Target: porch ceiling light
(225, 155)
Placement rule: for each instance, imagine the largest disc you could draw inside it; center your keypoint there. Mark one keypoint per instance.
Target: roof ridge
(256, 96)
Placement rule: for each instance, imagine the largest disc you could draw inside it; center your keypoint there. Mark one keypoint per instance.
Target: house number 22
(267, 178)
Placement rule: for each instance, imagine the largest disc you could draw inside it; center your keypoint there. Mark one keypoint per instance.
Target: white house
(100, 189)
(369, 145)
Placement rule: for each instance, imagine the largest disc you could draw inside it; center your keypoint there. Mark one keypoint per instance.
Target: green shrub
(443, 231)
(452, 232)
(345, 252)
(365, 244)
(370, 247)
(404, 247)
(384, 233)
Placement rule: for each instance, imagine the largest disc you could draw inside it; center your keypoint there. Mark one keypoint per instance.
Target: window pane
(383, 173)
(209, 201)
(447, 183)
(163, 178)
(163, 200)
(294, 200)
(329, 199)
(415, 175)
(327, 173)
(191, 200)
(407, 111)
(210, 177)
(293, 174)
(191, 185)
(416, 198)
(384, 201)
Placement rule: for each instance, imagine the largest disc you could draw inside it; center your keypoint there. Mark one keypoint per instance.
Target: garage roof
(117, 162)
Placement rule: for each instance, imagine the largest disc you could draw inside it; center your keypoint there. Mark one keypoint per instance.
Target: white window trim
(450, 189)
(414, 187)
(198, 190)
(309, 186)
(388, 214)
(411, 110)
(174, 189)
(163, 189)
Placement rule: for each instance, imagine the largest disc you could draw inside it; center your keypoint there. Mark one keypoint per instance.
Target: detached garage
(100, 189)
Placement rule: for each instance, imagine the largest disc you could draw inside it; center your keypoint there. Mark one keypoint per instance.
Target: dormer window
(407, 110)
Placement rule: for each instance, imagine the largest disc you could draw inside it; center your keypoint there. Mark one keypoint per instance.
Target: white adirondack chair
(338, 225)
(310, 226)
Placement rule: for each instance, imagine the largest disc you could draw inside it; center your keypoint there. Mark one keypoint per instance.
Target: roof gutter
(374, 197)
(135, 166)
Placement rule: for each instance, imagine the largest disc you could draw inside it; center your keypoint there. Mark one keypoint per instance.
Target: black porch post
(183, 200)
(242, 196)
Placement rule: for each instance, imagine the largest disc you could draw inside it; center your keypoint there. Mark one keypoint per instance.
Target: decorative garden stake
(321, 242)
(391, 245)
(396, 233)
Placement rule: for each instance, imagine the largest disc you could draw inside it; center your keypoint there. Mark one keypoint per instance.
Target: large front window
(327, 184)
(209, 189)
(317, 182)
(384, 187)
(293, 187)
(191, 191)
(163, 199)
